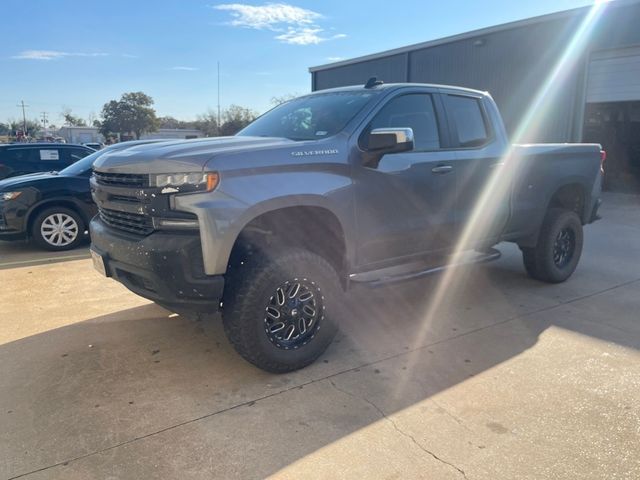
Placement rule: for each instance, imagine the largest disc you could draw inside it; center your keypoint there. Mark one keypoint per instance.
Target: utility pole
(218, 99)
(24, 117)
(44, 120)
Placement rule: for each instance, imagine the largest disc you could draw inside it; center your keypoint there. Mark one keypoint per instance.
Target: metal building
(596, 92)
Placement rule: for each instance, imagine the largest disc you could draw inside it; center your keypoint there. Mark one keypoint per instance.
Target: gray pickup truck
(355, 185)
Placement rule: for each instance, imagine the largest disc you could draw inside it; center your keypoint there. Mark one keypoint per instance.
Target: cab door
(484, 188)
(405, 204)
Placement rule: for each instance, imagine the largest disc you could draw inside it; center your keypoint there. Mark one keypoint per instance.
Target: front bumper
(12, 223)
(165, 267)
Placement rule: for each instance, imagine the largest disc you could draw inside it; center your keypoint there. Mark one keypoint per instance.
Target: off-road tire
(40, 241)
(248, 290)
(539, 260)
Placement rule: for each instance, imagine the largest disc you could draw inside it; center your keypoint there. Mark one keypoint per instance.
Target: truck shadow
(78, 391)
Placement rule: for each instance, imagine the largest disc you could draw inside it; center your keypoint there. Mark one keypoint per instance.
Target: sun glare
(497, 187)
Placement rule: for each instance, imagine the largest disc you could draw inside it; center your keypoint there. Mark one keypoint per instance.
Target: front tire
(556, 256)
(57, 229)
(279, 311)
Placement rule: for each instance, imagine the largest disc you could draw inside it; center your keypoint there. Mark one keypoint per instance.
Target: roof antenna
(372, 82)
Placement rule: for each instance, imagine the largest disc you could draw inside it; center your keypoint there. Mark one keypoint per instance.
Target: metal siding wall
(511, 64)
(390, 69)
(617, 28)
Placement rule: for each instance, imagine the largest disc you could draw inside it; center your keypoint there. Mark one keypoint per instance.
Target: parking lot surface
(489, 376)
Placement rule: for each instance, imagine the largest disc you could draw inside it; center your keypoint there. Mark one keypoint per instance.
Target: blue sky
(80, 54)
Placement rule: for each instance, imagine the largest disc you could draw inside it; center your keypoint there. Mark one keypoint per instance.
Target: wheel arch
(313, 225)
(569, 195)
(53, 202)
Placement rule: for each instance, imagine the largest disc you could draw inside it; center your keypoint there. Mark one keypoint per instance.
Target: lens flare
(497, 188)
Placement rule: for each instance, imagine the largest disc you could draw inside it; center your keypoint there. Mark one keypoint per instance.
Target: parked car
(340, 187)
(94, 145)
(22, 158)
(51, 208)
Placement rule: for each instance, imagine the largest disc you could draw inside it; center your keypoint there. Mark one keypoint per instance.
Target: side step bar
(386, 276)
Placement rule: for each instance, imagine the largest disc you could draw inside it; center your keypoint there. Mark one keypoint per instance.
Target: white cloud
(335, 59)
(53, 55)
(268, 16)
(294, 25)
(301, 36)
(186, 69)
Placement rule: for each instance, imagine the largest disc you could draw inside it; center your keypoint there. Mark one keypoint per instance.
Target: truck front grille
(122, 179)
(129, 222)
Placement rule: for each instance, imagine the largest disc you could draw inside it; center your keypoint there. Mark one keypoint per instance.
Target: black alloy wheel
(294, 313)
(564, 247)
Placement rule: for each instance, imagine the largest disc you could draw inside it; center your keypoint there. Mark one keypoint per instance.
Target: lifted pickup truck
(351, 185)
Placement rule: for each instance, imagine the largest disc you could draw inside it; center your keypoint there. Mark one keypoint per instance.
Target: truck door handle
(440, 169)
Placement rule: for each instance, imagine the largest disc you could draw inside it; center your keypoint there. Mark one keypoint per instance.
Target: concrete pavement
(506, 378)
(22, 254)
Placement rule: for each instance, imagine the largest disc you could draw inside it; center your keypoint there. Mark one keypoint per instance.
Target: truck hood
(180, 155)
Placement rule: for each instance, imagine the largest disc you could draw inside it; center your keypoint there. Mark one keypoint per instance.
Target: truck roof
(391, 86)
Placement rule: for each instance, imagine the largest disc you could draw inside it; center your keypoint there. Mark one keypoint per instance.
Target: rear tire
(280, 311)
(556, 256)
(57, 229)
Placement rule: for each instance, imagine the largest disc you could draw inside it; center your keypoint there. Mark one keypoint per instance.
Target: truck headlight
(185, 182)
(10, 195)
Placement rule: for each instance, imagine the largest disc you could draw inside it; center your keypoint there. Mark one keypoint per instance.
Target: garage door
(614, 76)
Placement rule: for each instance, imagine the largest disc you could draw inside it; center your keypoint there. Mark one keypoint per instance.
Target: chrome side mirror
(390, 140)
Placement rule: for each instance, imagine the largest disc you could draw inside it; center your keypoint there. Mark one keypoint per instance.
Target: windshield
(83, 166)
(309, 118)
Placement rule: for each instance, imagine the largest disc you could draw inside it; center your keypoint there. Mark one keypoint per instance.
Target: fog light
(175, 223)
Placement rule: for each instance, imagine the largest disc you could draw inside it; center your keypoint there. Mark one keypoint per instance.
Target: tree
(278, 100)
(5, 129)
(91, 118)
(207, 123)
(170, 122)
(33, 127)
(235, 118)
(71, 120)
(133, 113)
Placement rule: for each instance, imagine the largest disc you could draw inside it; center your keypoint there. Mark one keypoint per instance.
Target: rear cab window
(467, 120)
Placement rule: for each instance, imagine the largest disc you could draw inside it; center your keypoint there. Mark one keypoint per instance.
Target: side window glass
(20, 155)
(69, 156)
(413, 111)
(466, 113)
(75, 154)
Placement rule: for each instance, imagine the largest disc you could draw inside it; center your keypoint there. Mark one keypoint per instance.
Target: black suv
(22, 158)
(52, 208)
